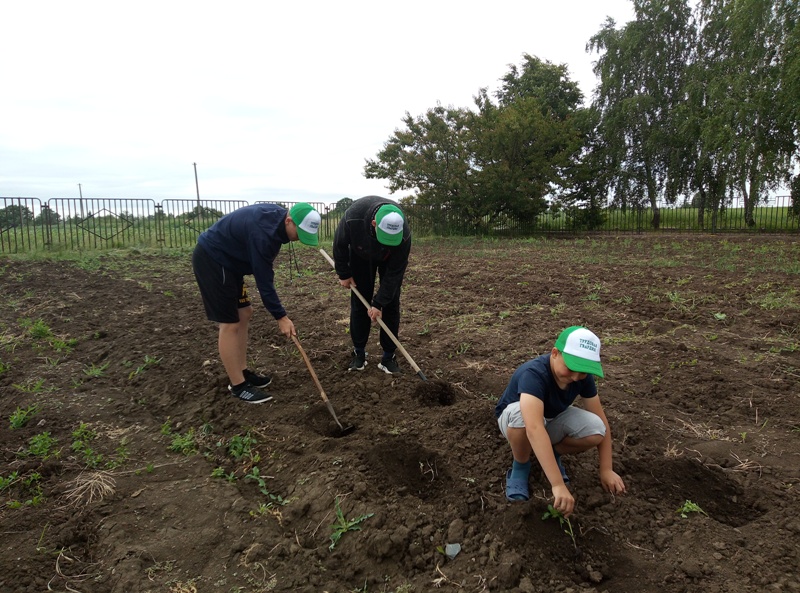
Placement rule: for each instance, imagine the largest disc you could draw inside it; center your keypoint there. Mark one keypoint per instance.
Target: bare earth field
(126, 466)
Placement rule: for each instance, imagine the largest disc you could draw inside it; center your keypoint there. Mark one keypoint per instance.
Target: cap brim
(581, 365)
(307, 238)
(389, 240)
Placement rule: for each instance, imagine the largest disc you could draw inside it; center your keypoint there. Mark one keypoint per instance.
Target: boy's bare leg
(233, 345)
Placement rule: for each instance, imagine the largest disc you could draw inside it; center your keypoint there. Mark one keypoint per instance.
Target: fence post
(48, 232)
(159, 216)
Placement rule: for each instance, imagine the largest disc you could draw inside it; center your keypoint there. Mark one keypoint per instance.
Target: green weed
(185, 444)
(41, 446)
(149, 361)
(21, 416)
(275, 499)
(6, 483)
(63, 346)
(343, 525)
(690, 507)
(242, 446)
(95, 371)
(32, 386)
(566, 524)
(37, 329)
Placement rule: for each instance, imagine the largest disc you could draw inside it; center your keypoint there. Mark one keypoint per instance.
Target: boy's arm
(532, 409)
(608, 477)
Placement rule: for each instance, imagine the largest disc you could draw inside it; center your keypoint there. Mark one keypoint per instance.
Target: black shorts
(223, 293)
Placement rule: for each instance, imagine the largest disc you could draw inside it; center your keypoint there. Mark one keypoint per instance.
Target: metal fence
(28, 224)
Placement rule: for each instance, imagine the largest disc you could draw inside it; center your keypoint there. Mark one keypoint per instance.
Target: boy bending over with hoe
(536, 415)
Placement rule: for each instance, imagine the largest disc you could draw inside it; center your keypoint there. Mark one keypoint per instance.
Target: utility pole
(197, 186)
(80, 193)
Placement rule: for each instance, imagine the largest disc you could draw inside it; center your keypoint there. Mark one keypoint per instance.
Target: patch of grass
(63, 346)
(149, 361)
(37, 329)
(95, 371)
(32, 386)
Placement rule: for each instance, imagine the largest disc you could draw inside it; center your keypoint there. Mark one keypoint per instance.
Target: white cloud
(268, 99)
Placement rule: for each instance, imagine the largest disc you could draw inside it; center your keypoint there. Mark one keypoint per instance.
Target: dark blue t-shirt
(536, 378)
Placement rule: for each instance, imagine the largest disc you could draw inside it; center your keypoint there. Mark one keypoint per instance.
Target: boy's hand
(563, 500)
(286, 327)
(611, 482)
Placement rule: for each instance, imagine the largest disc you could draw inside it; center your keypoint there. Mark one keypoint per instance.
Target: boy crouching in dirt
(536, 415)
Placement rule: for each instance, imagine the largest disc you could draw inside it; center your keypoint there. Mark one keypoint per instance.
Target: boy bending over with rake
(536, 415)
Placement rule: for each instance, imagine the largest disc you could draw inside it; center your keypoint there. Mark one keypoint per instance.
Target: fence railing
(28, 224)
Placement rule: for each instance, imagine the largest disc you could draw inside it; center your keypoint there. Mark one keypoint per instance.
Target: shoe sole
(387, 371)
(267, 384)
(359, 370)
(255, 403)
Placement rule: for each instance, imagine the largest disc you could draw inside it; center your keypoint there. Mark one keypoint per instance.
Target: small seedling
(40, 445)
(690, 507)
(63, 346)
(39, 330)
(149, 361)
(184, 444)
(242, 446)
(20, 417)
(255, 475)
(343, 525)
(95, 371)
(566, 524)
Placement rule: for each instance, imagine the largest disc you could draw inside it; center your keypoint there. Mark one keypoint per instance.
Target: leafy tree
(740, 61)
(342, 205)
(431, 155)
(14, 216)
(641, 70)
(46, 217)
(499, 160)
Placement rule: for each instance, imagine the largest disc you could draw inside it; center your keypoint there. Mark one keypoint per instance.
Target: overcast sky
(273, 101)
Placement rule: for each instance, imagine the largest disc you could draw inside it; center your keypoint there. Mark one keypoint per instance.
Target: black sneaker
(251, 395)
(390, 366)
(359, 362)
(259, 381)
(256, 380)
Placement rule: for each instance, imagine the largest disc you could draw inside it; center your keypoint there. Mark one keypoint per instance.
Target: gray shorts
(573, 422)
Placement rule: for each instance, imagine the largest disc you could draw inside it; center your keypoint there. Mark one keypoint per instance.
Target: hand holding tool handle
(381, 323)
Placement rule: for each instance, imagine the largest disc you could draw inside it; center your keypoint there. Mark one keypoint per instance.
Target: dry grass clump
(90, 487)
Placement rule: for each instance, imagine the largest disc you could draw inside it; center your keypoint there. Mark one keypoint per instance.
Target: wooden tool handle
(389, 333)
(310, 368)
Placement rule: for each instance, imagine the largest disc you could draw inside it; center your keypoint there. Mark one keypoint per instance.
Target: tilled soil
(158, 480)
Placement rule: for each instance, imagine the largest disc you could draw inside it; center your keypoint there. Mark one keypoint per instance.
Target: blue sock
(564, 475)
(387, 356)
(520, 470)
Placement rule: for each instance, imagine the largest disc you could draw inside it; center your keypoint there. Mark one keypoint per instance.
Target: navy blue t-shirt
(536, 378)
(246, 241)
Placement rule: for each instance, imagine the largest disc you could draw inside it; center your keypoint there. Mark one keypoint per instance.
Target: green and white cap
(389, 225)
(307, 220)
(581, 350)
